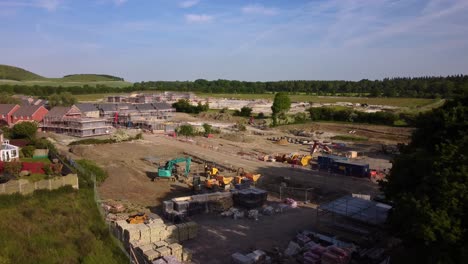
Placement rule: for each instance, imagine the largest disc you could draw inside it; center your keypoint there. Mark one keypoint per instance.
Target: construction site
(285, 195)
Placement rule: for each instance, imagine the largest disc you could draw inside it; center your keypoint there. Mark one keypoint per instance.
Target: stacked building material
(177, 209)
(250, 198)
(255, 257)
(156, 240)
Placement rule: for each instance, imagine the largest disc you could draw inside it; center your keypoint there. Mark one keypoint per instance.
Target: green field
(92, 97)
(61, 226)
(400, 102)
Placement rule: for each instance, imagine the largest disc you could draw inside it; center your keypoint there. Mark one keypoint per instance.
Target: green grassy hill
(91, 78)
(17, 74)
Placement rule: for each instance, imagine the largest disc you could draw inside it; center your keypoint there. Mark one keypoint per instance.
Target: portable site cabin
(341, 165)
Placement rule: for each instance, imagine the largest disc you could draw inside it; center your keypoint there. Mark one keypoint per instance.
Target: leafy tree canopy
(62, 99)
(186, 130)
(281, 105)
(8, 99)
(25, 130)
(428, 185)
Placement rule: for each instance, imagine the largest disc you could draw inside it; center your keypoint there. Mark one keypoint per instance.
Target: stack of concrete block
(186, 255)
(192, 229)
(255, 257)
(176, 251)
(182, 230)
(118, 228)
(172, 232)
(178, 208)
(145, 235)
(132, 233)
(157, 232)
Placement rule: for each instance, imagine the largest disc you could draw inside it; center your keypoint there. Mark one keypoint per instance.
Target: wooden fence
(26, 187)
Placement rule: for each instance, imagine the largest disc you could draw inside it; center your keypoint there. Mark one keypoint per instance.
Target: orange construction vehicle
(241, 174)
(139, 218)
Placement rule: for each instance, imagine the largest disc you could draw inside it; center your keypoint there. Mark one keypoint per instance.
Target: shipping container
(341, 165)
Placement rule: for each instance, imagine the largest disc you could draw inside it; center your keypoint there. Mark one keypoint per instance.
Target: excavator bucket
(223, 180)
(253, 177)
(305, 160)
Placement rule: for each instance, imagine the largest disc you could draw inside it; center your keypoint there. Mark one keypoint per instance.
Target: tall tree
(62, 99)
(281, 104)
(8, 99)
(25, 130)
(429, 187)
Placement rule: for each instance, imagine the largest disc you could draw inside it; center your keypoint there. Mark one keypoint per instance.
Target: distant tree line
(423, 87)
(349, 115)
(110, 77)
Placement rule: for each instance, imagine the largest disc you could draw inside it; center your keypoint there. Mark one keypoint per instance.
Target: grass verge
(60, 226)
(43, 160)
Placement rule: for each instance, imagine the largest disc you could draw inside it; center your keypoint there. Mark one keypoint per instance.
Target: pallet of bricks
(178, 208)
(156, 242)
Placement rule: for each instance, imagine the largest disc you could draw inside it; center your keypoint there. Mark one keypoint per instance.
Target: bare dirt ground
(130, 175)
(130, 179)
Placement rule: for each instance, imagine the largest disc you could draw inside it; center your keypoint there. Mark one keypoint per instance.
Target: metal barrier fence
(97, 198)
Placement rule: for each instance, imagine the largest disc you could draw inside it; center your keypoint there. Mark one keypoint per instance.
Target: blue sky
(236, 39)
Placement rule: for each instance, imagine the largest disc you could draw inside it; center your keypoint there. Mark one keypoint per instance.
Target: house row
(150, 98)
(72, 121)
(11, 114)
(160, 110)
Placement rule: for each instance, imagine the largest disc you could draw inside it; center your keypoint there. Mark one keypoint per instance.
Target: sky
(144, 40)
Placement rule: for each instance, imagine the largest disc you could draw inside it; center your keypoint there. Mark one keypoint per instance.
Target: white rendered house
(7, 152)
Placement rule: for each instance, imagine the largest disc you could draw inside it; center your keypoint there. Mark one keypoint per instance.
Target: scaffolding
(78, 127)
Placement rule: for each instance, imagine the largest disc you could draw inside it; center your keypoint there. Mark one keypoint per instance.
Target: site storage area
(342, 165)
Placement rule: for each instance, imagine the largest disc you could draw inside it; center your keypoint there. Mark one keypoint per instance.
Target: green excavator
(169, 171)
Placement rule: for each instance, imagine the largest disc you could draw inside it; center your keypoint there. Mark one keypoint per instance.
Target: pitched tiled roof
(108, 107)
(145, 107)
(87, 107)
(6, 108)
(27, 110)
(162, 106)
(58, 111)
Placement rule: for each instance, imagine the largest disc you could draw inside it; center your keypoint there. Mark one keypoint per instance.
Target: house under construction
(70, 121)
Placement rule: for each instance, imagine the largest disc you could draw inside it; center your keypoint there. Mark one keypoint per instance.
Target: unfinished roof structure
(356, 208)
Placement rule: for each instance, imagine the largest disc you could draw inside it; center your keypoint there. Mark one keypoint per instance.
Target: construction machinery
(211, 170)
(169, 170)
(242, 175)
(320, 147)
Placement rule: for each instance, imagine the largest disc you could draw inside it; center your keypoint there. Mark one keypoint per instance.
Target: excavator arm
(166, 171)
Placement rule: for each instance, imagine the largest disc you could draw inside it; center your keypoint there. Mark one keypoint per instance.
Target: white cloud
(119, 2)
(202, 18)
(188, 3)
(50, 5)
(259, 9)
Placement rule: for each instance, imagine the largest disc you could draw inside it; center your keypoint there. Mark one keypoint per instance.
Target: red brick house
(30, 113)
(6, 114)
